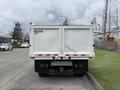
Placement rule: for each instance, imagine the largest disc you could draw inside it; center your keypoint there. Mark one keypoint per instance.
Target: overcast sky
(47, 12)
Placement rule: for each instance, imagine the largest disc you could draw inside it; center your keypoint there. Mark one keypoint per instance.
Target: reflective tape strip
(81, 55)
(46, 55)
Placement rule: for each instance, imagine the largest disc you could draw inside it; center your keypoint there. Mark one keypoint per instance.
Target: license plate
(61, 63)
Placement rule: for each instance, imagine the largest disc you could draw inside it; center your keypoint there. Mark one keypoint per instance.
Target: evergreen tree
(17, 33)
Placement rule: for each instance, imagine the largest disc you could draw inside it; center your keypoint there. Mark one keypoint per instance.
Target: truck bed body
(61, 42)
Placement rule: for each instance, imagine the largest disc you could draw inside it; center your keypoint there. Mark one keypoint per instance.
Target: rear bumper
(56, 57)
(64, 59)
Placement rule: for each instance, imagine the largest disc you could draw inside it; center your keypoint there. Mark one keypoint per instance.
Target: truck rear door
(45, 41)
(78, 41)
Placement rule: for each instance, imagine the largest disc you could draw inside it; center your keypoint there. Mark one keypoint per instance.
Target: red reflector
(66, 54)
(47, 54)
(75, 54)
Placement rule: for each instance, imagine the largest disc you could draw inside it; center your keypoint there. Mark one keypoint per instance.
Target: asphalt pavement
(17, 73)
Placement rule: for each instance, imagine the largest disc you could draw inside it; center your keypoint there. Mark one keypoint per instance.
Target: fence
(110, 45)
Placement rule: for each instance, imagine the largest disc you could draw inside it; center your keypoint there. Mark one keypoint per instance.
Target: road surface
(17, 73)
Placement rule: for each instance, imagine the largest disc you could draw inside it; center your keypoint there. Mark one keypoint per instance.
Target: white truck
(57, 48)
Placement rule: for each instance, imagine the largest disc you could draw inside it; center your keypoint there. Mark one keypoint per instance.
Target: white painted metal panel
(45, 39)
(78, 39)
(62, 40)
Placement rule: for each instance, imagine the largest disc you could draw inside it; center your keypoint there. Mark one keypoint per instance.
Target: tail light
(78, 65)
(44, 65)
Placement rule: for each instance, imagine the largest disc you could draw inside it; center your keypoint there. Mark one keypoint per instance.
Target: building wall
(4, 39)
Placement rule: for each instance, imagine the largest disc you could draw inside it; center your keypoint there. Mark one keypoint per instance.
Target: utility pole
(105, 11)
(110, 18)
(94, 23)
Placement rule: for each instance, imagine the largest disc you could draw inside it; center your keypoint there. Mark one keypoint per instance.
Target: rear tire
(36, 65)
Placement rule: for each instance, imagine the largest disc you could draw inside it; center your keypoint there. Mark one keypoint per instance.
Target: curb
(94, 82)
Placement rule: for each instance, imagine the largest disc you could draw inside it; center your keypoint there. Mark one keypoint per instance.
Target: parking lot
(17, 73)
